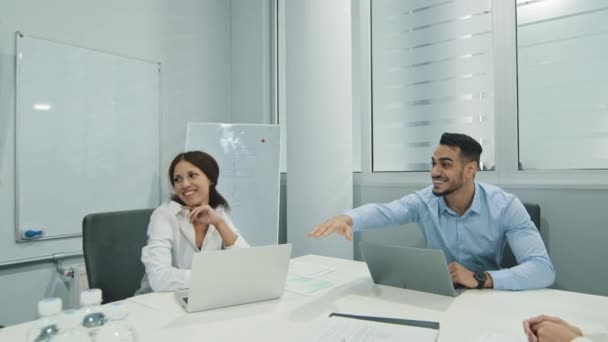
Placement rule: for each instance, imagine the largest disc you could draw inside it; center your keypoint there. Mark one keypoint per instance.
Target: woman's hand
(206, 215)
(548, 328)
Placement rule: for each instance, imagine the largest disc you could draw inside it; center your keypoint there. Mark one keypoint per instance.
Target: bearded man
(468, 220)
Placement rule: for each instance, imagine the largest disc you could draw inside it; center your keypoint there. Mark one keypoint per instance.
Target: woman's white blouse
(171, 244)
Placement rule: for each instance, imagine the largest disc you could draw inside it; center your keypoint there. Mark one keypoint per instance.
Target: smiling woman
(194, 220)
(194, 176)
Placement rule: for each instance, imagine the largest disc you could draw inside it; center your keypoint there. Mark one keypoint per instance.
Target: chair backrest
(508, 259)
(112, 244)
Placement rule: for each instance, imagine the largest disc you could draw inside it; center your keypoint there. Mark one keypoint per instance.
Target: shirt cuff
(354, 215)
(501, 280)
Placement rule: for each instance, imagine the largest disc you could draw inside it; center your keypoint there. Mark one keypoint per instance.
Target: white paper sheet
(493, 337)
(339, 329)
(308, 270)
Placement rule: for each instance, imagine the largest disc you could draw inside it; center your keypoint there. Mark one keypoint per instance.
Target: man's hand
(341, 224)
(461, 275)
(550, 329)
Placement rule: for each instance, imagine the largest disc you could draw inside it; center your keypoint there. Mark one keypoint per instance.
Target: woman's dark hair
(209, 167)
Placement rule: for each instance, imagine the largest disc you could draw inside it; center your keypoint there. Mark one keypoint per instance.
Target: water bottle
(117, 327)
(46, 327)
(71, 330)
(92, 316)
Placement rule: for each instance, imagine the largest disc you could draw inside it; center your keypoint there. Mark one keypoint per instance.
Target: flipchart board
(248, 157)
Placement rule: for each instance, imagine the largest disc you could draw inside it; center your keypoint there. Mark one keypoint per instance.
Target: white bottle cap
(49, 306)
(90, 297)
(116, 310)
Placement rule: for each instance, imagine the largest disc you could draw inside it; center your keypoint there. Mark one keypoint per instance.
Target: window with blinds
(562, 84)
(432, 72)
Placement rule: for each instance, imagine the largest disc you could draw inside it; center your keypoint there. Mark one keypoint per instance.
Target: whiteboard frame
(21, 34)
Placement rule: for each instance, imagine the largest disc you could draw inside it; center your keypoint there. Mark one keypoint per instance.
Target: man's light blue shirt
(477, 238)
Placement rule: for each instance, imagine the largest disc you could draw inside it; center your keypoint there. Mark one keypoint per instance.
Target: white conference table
(474, 313)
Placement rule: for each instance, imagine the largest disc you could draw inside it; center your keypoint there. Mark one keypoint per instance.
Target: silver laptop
(235, 276)
(410, 268)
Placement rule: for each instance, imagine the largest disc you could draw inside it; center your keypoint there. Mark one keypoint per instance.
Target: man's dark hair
(470, 149)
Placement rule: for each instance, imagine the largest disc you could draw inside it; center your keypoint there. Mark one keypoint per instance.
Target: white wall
(191, 38)
(251, 61)
(197, 69)
(318, 105)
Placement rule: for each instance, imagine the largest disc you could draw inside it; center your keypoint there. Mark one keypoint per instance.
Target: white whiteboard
(87, 135)
(248, 157)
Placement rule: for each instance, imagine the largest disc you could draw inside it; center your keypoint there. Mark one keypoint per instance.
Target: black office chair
(508, 259)
(112, 244)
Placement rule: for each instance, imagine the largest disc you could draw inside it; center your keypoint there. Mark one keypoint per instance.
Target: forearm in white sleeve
(157, 257)
(161, 274)
(240, 241)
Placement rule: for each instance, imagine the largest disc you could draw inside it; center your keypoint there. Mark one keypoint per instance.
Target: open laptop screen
(236, 276)
(410, 268)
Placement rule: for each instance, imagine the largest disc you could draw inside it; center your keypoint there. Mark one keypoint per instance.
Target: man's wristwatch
(481, 278)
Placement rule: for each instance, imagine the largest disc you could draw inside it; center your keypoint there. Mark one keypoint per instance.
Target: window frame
(506, 114)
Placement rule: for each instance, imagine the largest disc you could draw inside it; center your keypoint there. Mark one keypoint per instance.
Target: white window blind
(563, 84)
(432, 72)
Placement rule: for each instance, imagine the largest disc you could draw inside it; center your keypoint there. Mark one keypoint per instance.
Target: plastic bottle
(71, 330)
(46, 327)
(117, 328)
(93, 317)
